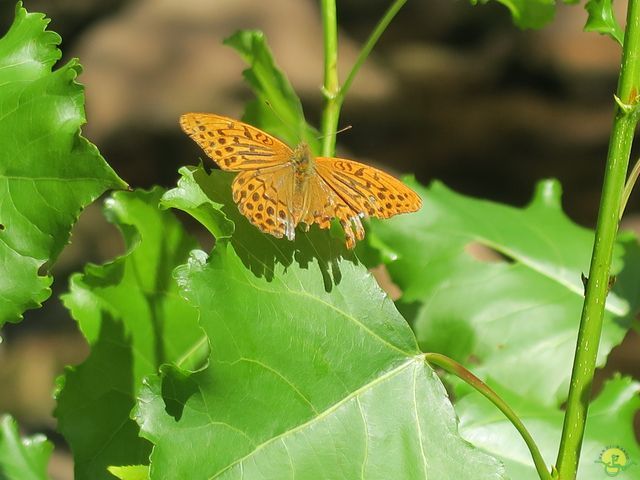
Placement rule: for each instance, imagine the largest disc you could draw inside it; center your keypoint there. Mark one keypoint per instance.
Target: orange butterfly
(278, 188)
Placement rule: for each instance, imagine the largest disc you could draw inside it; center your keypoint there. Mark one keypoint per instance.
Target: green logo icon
(615, 460)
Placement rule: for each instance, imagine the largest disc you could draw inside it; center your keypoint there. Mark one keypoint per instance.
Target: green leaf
(528, 13)
(258, 251)
(518, 320)
(301, 381)
(22, 458)
(602, 20)
(131, 472)
(610, 424)
(277, 109)
(132, 316)
(48, 172)
(189, 197)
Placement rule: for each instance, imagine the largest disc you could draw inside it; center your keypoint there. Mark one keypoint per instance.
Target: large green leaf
(514, 321)
(277, 109)
(130, 312)
(48, 172)
(610, 424)
(305, 379)
(22, 458)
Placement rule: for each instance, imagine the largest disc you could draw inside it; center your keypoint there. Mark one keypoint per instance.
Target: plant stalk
(377, 32)
(458, 370)
(584, 364)
(333, 92)
(628, 187)
(331, 85)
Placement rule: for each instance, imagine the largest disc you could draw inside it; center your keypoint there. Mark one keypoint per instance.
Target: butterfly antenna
(286, 124)
(348, 127)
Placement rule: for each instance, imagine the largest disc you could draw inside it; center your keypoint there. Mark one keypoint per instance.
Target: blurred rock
(573, 52)
(381, 274)
(69, 18)
(28, 368)
(93, 239)
(61, 465)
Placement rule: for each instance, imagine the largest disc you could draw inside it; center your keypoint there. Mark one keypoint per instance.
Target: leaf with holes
(48, 172)
(132, 316)
(515, 321)
(310, 374)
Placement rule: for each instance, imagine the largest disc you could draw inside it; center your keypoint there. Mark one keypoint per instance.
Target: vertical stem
(333, 92)
(628, 187)
(597, 286)
(331, 87)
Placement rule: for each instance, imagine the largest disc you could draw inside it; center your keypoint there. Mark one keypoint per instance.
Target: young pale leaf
(22, 458)
(131, 472)
(528, 13)
(514, 320)
(277, 109)
(610, 424)
(602, 20)
(306, 378)
(131, 314)
(48, 172)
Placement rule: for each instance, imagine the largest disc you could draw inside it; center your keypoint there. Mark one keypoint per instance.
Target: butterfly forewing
(234, 145)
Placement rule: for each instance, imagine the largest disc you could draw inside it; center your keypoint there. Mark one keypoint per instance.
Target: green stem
(608, 216)
(333, 92)
(331, 86)
(628, 187)
(458, 370)
(382, 25)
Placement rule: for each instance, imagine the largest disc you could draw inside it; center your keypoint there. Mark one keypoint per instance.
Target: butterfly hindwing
(264, 197)
(367, 190)
(325, 204)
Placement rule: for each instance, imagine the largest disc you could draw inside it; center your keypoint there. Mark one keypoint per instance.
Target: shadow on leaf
(177, 388)
(260, 252)
(87, 388)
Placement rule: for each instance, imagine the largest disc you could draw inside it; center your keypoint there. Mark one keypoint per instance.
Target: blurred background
(451, 92)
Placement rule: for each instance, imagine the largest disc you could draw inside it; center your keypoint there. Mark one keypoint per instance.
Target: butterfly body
(303, 171)
(278, 188)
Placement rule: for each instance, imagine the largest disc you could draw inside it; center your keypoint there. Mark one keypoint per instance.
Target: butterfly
(278, 188)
